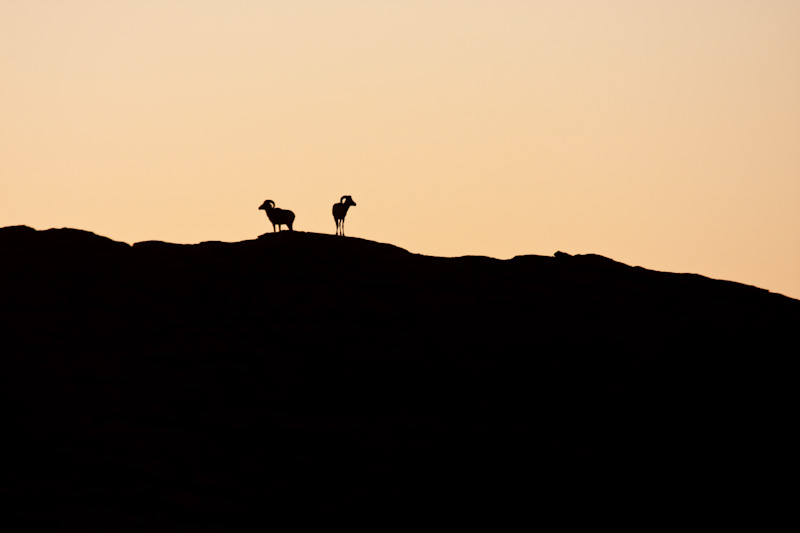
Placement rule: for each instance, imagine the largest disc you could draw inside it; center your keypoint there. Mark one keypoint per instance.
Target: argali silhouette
(340, 211)
(277, 216)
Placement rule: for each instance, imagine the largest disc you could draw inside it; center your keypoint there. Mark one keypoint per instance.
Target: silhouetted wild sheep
(277, 216)
(340, 211)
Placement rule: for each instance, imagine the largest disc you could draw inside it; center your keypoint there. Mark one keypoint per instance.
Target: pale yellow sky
(663, 133)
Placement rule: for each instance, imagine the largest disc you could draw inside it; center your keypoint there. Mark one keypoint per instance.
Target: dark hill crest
(217, 382)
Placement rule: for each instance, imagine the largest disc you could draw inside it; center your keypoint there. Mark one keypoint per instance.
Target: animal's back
(285, 217)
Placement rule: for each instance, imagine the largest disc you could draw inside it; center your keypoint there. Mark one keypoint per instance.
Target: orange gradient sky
(661, 133)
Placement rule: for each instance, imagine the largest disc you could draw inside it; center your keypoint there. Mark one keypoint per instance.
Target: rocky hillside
(308, 374)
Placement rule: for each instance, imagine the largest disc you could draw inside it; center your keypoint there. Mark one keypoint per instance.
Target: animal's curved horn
(343, 199)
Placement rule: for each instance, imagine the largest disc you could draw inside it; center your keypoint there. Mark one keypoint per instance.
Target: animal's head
(348, 200)
(268, 204)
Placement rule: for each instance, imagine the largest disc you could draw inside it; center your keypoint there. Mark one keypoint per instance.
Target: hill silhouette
(300, 373)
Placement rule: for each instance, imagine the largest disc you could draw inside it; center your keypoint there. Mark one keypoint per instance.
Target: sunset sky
(660, 133)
